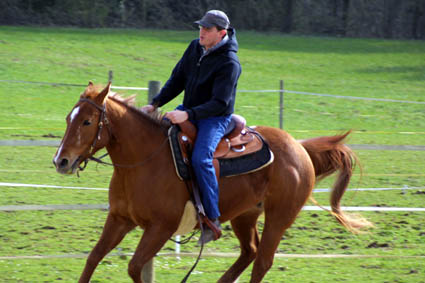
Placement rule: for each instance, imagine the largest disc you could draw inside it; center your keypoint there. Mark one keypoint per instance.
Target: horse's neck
(133, 136)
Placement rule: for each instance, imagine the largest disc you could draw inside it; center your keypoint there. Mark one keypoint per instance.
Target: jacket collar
(215, 47)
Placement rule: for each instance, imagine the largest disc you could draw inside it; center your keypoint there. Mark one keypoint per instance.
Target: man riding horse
(208, 73)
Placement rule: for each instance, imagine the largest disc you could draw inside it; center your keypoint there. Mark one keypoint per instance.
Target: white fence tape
(129, 88)
(2, 184)
(367, 208)
(352, 146)
(105, 206)
(372, 189)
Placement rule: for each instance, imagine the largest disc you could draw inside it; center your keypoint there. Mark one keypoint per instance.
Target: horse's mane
(155, 118)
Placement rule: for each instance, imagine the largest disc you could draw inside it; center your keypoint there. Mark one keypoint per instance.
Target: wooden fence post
(154, 87)
(281, 105)
(110, 76)
(148, 272)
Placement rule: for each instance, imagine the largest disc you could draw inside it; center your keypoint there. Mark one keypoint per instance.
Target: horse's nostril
(64, 163)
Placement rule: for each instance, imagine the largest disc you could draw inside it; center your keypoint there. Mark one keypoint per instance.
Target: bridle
(103, 120)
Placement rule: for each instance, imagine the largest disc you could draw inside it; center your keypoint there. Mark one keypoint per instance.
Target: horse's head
(84, 134)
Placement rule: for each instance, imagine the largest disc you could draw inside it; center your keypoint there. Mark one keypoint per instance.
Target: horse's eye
(86, 123)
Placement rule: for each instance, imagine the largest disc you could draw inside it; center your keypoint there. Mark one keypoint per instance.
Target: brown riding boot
(212, 231)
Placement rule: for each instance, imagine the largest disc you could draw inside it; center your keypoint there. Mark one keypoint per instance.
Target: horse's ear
(89, 89)
(101, 96)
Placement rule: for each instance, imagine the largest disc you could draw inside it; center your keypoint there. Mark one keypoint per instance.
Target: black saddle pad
(228, 166)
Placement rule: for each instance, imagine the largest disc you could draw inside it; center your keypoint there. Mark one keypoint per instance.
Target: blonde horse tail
(329, 154)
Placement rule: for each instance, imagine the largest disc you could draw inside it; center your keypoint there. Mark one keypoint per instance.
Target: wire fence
(5, 184)
(240, 91)
(153, 89)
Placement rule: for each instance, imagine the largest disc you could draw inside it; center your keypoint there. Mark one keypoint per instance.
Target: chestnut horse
(145, 191)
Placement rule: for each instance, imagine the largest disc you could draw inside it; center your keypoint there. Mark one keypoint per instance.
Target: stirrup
(216, 230)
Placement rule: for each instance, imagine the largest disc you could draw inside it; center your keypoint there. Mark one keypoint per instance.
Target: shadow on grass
(412, 73)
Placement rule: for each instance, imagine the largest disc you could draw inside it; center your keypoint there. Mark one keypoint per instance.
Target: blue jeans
(210, 132)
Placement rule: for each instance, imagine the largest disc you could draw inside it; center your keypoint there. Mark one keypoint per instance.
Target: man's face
(208, 37)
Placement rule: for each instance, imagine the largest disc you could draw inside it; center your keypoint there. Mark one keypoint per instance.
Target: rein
(103, 120)
(149, 158)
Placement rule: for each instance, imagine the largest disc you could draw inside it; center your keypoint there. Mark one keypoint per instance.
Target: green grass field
(352, 67)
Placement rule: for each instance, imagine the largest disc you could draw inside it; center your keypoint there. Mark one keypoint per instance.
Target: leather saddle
(241, 150)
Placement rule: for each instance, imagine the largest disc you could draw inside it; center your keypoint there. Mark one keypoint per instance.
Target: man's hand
(177, 116)
(147, 108)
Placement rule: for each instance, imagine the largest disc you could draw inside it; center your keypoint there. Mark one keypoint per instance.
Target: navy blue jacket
(209, 83)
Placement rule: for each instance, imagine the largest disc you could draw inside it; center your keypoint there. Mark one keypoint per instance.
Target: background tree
(353, 18)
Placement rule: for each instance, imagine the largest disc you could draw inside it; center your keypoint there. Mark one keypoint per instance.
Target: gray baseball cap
(214, 18)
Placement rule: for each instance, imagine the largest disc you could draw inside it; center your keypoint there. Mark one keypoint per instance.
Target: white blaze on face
(58, 154)
(74, 113)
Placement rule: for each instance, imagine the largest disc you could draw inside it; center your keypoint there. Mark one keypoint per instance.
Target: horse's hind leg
(281, 208)
(270, 239)
(277, 220)
(154, 237)
(245, 228)
(115, 229)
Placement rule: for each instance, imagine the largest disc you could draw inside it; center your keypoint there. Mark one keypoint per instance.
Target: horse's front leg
(153, 239)
(116, 227)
